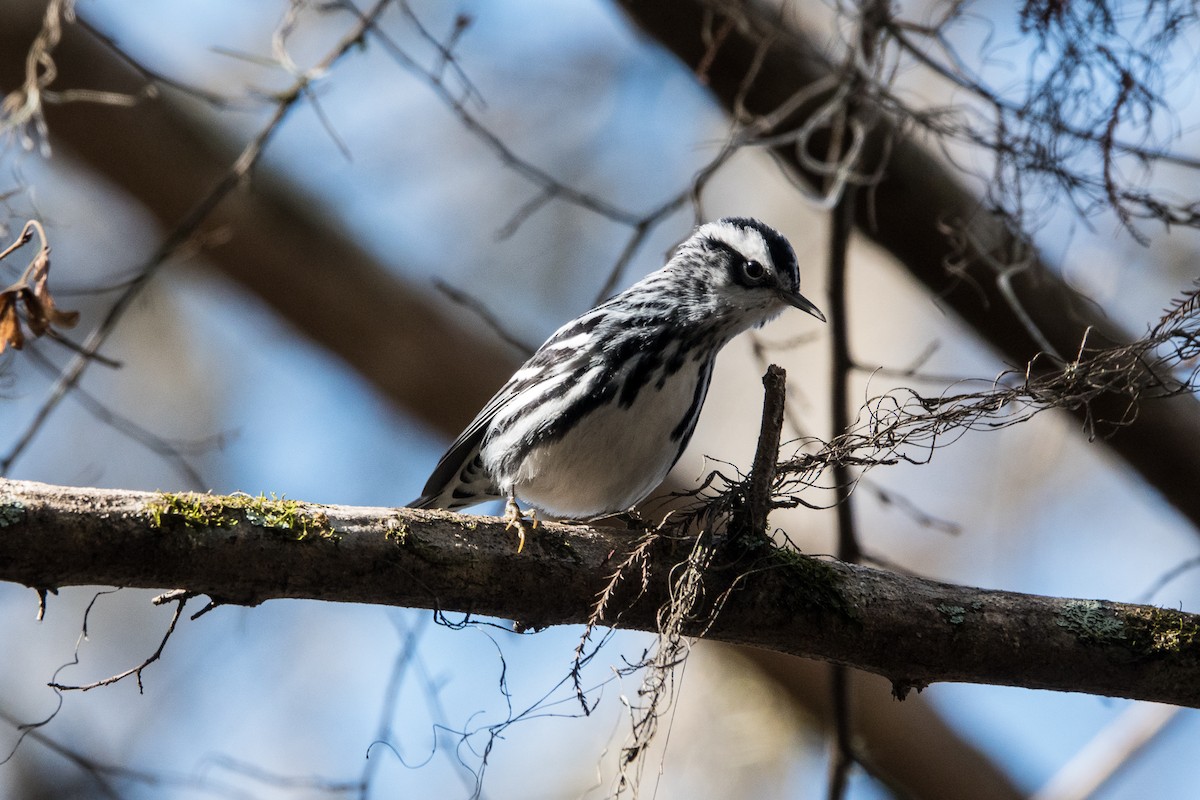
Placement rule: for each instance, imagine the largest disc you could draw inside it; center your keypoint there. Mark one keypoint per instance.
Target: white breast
(614, 457)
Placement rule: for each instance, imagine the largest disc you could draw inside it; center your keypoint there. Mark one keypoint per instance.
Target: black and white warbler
(594, 420)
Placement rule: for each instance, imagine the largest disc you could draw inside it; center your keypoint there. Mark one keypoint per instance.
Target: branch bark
(910, 630)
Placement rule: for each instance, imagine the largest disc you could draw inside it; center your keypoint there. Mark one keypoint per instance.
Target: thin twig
(475, 305)
(137, 671)
(753, 519)
(185, 230)
(172, 452)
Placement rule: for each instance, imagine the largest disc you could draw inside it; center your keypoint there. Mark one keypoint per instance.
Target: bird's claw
(515, 518)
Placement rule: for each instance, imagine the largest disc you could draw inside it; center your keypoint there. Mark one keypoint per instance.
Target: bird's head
(744, 269)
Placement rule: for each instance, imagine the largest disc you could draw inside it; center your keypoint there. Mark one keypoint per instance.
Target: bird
(592, 423)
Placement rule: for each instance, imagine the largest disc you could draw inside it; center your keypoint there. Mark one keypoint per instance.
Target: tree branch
(246, 550)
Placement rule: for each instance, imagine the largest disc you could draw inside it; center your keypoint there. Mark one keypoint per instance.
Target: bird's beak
(801, 302)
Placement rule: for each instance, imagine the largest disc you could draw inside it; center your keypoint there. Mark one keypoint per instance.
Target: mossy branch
(246, 550)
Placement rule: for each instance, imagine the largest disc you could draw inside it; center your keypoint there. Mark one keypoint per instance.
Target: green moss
(1153, 631)
(217, 511)
(282, 514)
(193, 510)
(11, 512)
(1091, 621)
(1144, 632)
(397, 531)
(955, 615)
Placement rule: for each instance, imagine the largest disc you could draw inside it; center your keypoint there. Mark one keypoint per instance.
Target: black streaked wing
(456, 467)
(460, 456)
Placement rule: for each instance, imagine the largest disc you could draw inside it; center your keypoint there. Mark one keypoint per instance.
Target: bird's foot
(515, 518)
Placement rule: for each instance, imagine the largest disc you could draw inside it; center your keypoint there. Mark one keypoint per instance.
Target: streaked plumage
(595, 419)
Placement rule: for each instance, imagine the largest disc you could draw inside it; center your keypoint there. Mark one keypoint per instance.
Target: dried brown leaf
(48, 314)
(32, 290)
(10, 324)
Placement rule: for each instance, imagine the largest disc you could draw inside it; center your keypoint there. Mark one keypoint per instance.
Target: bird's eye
(753, 270)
